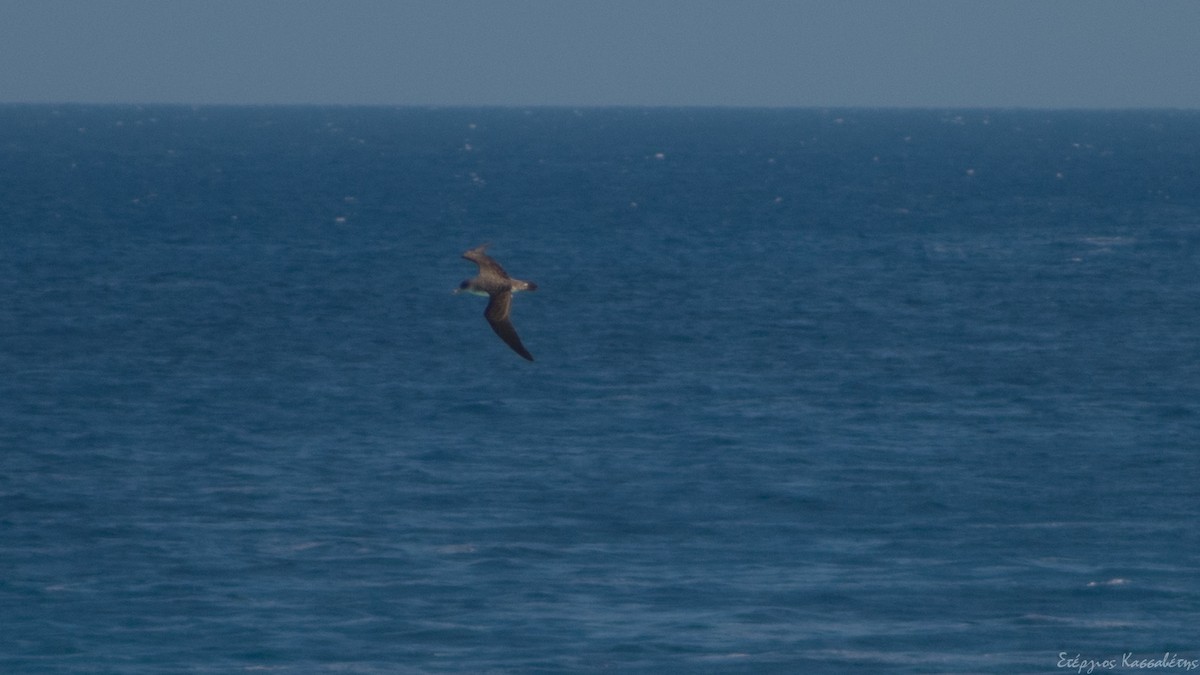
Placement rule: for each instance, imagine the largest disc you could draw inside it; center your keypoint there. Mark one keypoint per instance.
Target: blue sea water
(815, 391)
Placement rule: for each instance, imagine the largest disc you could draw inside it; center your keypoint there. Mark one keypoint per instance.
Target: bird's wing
(497, 317)
(487, 266)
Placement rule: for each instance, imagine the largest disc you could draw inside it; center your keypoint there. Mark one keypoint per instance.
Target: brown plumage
(495, 283)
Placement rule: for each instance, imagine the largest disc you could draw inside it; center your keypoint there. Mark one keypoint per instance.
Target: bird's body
(495, 283)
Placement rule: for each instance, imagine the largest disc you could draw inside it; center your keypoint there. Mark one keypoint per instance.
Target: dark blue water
(815, 391)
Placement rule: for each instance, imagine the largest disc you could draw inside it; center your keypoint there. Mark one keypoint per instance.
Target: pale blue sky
(931, 53)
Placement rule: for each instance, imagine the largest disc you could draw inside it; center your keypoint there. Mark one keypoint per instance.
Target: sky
(777, 53)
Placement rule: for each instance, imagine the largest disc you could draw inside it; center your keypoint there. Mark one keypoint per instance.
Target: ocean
(815, 391)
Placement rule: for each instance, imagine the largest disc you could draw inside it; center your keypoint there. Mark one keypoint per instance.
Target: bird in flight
(495, 283)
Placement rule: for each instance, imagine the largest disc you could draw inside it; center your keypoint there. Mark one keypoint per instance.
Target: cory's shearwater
(495, 283)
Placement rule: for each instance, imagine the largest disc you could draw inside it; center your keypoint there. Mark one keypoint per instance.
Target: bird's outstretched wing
(497, 317)
(487, 266)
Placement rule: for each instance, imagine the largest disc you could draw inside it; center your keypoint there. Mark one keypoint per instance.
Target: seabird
(495, 283)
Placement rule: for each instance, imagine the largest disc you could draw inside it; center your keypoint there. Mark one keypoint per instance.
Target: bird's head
(467, 287)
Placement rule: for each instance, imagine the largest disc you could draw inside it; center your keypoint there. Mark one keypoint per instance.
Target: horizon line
(603, 106)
